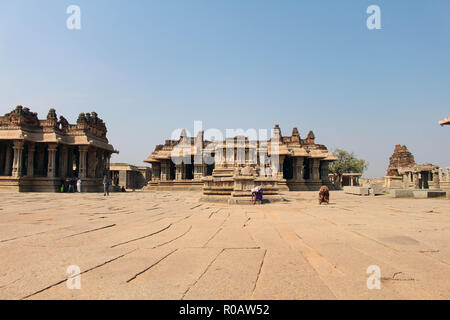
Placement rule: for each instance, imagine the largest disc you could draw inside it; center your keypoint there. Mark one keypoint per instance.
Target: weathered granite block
(375, 189)
(423, 194)
(418, 194)
(401, 193)
(361, 191)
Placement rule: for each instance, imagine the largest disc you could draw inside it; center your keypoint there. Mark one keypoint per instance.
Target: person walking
(105, 186)
(78, 185)
(71, 188)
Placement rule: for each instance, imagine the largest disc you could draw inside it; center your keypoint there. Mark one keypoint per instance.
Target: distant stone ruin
(405, 174)
(401, 158)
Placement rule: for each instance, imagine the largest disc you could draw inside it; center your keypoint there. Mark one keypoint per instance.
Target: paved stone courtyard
(168, 245)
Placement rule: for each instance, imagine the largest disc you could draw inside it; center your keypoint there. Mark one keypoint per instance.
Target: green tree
(347, 163)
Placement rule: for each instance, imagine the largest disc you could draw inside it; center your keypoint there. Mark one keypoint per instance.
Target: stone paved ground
(165, 245)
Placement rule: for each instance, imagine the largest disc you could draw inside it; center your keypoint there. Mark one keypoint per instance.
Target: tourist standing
(105, 186)
(79, 185)
(70, 190)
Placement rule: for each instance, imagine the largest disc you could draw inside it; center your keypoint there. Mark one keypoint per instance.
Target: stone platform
(234, 185)
(360, 191)
(365, 190)
(420, 194)
(44, 184)
(168, 245)
(174, 185)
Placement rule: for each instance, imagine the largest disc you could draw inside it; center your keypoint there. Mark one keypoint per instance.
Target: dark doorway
(172, 170)
(190, 170)
(41, 160)
(288, 169)
(306, 169)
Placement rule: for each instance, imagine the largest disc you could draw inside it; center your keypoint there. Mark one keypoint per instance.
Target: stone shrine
(38, 155)
(281, 163)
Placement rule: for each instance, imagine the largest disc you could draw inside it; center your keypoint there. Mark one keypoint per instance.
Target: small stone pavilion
(38, 155)
(346, 180)
(404, 173)
(286, 162)
(129, 176)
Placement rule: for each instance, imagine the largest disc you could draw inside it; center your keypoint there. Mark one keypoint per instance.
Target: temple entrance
(288, 169)
(424, 180)
(23, 170)
(306, 169)
(41, 160)
(190, 170)
(172, 170)
(74, 165)
(2, 158)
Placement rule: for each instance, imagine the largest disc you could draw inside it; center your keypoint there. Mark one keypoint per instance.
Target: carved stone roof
(285, 146)
(401, 158)
(22, 124)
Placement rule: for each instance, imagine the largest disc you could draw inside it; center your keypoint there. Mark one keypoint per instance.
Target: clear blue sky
(149, 67)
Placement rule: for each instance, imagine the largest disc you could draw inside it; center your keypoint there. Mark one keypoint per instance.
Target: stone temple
(279, 163)
(38, 155)
(404, 173)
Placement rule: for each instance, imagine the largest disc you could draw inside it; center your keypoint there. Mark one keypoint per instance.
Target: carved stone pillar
(324, 167)
(219, 157)
(436, 184)
(179, 172)
(416, 180)
(280, 166)
(100, 169)
(164, 170)
(82, 164)
(298, 169)
(315, 174)
(17, 160)
(92, 163)
(156, 171)
(199, 171)
(107, 163)
(30, 160)
(63, 160)
(8, 155)
(51, 168)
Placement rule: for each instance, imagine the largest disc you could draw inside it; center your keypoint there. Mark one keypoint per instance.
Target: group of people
(324, 195)
(71, 185)
(106, 184)
(74, 185)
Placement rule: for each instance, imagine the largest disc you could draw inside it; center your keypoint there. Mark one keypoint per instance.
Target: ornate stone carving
(310, 138)
(401, 158)
(19, 117)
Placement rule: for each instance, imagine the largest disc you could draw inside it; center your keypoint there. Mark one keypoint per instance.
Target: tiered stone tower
(400, 158)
